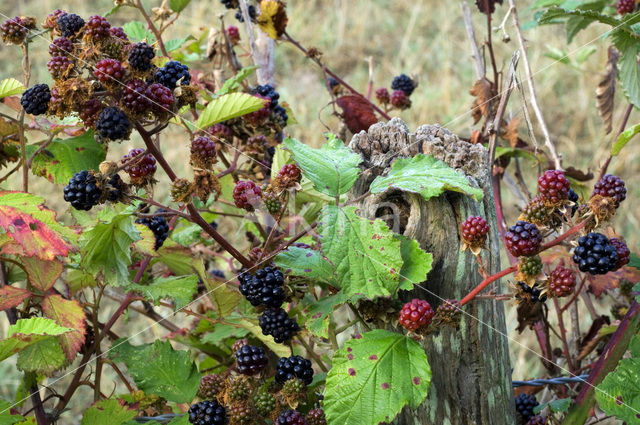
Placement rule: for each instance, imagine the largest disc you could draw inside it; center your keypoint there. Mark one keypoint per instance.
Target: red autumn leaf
(357, 112)
(602, 283)
(69, 314)
(42, 273)
(29, 223)
(10, 296)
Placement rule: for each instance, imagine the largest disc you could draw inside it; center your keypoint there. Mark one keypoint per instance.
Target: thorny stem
(563, 332)
(486, 282)
(623, 125)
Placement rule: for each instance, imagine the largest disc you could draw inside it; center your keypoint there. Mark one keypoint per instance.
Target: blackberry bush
(595, 254)
(277, 323)
(82, 192)
(294, 367)
(207, 413)
(416, 314)
(251, 360)
(523, 238)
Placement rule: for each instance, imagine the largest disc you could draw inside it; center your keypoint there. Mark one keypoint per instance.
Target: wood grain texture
(471, 370)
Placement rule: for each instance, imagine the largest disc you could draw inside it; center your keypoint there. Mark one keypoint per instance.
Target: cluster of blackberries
(294, 367)
(595, 254)
(207, 413)
(265, 287)
(251, 359)
(402, 87)
(534, 293)
(276, 109)
(159, 227)
(277, 323)
(525, 404)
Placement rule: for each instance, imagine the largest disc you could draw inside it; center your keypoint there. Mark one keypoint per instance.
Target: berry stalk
(486, 282)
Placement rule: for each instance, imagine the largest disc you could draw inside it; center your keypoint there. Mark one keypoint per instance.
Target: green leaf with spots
(374, 377)
(178, 288)
(318, 312)
(305, 262)
(159, 369)
(108, 412)
(333, 168)
(425, 175)
(229, 106)
(43, 357)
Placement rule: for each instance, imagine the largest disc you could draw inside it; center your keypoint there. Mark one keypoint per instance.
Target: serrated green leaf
(228, 106)
(177, 43)
(333, 168)
(252, 326)
(178, 288)
(619, 393)
(159, 369)
(425, 175)
(136, 31)
(108, 412)
(233, 83)
(624, 138)
(10, 87)
(44, 357)
(178, 259)
(555, 406)
(224, 298)
(37, 326)
(222, 331)
(629, 70)
(178, 5)
(374, 377)
(105, 248)
(416, 263)
(634, 346)
(364, 253)
(6, 418)
(306, 263)
(65, 157)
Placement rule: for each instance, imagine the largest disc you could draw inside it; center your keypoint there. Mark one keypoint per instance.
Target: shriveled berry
(595, 254)
(61, 46)
(110, 71)
(134, 98)
(611, 186)
(246, 194)
(448, 310)
(207, 413)
(532, 293)
(251, 359)
(113, 124)
(416, 314)
(97, 27)
(474, 231)
(553, 187)
(562, 282)
(82, 191)
(277, 323)
(14, 30)
(142, 167)
(233, 33)
(383, 96)
(36, 99)
(623, 252)
(400, 100)
(404, 83)
(59, 66)
(294, 367)
(69, 24)
(523, 238)
(140, 57)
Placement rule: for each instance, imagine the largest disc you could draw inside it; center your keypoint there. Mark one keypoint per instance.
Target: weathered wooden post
(471, 381)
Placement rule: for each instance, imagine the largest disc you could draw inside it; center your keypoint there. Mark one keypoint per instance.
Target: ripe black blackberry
(171, 73)
(82, 191)
(623, 252)
(612, 187)
(267, 90)
(110, 71)
(217, 273)
(294, 367)
(140, 57)
(134, 99)
(36, 99)
(251, 359)
(276, 322)
(264, 402)
(210, 386)
(59, 66)
(113, 124)
(291, 417)
(161, 98)
(626, 6)
(61, 46)
(404, 83)
(523, 238)
(252, 14)
(525, 404)
(532, 293)
(207, 413)
(159, 227)
(595, 254)
(279, 116)
(115, 188)
(316, 417)
(264, 288)
(69, 24)
(14, 30)
(553, 187)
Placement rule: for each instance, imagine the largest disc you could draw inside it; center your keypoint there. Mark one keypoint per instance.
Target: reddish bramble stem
(486, 282)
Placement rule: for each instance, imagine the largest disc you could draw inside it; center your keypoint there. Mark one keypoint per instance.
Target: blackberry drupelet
(561, 282)
(113, 124)
(159, 227)
(416, 314)
(134, 99)
(553, 187)
(110, 71)
(278, 324)
(61, 46)
(294, 367)
(316, 417)
(595, 254)
(525, 404)
(523, 238)
(140, 57)
(474, 231)
(82, 191)
(210, 386)
(623, 252)
(171, 73)
(36, 99)
(291, 417)
(207, 413)
(251, 359)
(404, 83)
(69, 24)
(612, 187)
(626, 6)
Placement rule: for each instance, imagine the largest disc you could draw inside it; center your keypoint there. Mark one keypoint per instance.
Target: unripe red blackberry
(416, 314)
(623, 252)
(289, 175)
(36, 99)
(90, 111)
(626, 6)
(203, 152)
(140, 57)
(523, 238)
(537, 212)
(383, 96)
(246, 194)
(97, 28)
(611, 186)
(134, 98)
(161, 98)
(59, 66)
(316, 417)
(69, 24)
(241, 414)
(291, 417)
(210, 386)
(553, 187)
(562, 282)
(14, 30)
(262, 113)
(530, 266)
(400, 100)
(118, 33)
(61, 46)
(110, 72)
(474, 231)
(251, 360)
(233, 33)
(140, 169)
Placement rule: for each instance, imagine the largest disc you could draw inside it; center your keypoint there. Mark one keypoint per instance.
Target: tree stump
(471, 381)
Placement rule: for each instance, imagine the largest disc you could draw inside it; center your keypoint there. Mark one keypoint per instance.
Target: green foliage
(137, 31)
(6, 418)
(10, 87)
(178, 5)
(159, 369)
(107, 412)
(555, 406)
(233, 83)
(425, 175)
(305, 262)
(624, 138)
(372, 378)
(44, 357)
(416, 263)
(178, 288)
(333, 168)
(228, 106)
(318, 312)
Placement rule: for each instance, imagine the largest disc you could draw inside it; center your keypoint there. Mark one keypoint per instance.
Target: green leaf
(108, 412)
(636, 289)
(417, 263)
(374, 377)
(222, 331)
(10, 87)
(510, 152)
(180, 420)
(37, 326)
(105, 248)
(561, 405)
(178, 5)
(634, 261)
(629, 70)
(233, 83)
(619, 393)
(159, 369)
(177, 43)
(425, 175)
(306, 263)
(6, 418)
(575, 24)
(224, 298)
(585, 53)
(333, 168)
(318, 312)
(136, 31)
(44, 357)
(252, 326)
(624, 138)
(364, 253)
(64, 157)
(228, 106)
(178, 288)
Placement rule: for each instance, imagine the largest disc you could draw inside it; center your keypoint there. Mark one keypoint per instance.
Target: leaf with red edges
(10, 296)
(357, 112)
(602, 283)
(69, 314)
(42, 273)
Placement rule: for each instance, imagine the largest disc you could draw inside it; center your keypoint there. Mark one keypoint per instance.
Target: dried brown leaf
(482, 5)
(482, 103)
(511, 132)
(606, 90)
